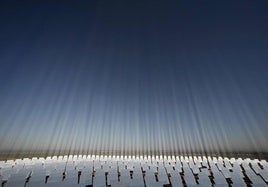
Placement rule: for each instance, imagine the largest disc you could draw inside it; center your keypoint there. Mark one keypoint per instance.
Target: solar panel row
(133, 171)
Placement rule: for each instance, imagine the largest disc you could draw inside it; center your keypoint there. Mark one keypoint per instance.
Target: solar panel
(203, 179)
(175, 179)
(77, 171)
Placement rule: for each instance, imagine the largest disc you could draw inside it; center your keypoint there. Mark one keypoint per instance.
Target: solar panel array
(147, 171)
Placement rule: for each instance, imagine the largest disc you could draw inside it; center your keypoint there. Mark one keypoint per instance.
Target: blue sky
(138, 76)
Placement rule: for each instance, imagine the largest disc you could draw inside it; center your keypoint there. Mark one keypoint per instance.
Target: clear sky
(139, 76)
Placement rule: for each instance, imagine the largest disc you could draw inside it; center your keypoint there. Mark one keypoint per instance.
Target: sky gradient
(137, 76)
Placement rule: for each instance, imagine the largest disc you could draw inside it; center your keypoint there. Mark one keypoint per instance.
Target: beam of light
(89, 83)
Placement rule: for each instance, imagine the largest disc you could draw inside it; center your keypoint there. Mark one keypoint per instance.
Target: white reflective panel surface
(78, 170)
